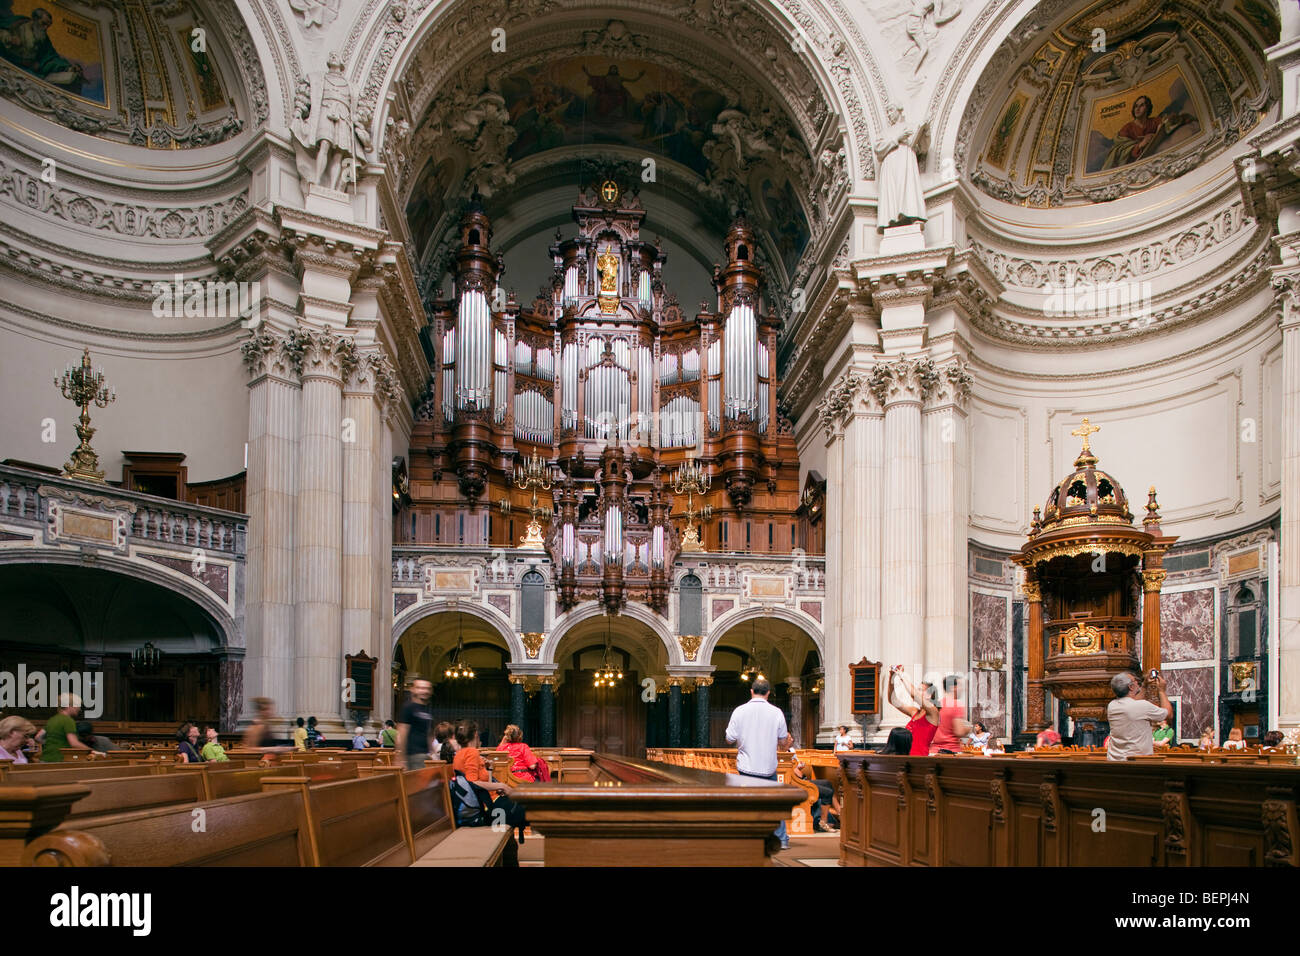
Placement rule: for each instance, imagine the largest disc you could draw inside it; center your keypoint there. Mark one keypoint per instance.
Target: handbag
(543, 771)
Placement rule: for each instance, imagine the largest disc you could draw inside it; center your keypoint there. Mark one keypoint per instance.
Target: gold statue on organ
(607, 265)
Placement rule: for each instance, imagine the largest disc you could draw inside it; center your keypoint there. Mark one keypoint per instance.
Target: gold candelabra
(534, 474)
(84, 386)
(692, 479)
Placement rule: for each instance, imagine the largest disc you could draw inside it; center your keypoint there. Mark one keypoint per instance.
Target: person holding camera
(1132, 718)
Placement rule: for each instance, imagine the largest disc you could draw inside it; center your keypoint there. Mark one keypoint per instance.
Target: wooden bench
(390, 818)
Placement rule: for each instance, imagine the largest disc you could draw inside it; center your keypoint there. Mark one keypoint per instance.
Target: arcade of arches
(535, 337)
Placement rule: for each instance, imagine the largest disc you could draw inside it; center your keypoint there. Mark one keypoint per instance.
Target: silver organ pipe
(715, 387)
(580, 552)
(569, 386)
(570, 284)
(567, 551)
(613, 535)
(449, 375)
(762, 356)
(643, 289)
(741, 373)
(691, 366)
(473, 358)
(677, 422)
(534, 417)
(762, 406)
(657, 547)
(500, 377)
(523, 358)
(668, 374)
(645, 391)
(545, 365)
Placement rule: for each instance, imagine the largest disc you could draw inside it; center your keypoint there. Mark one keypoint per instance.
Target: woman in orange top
(523, 762)
(469, 762)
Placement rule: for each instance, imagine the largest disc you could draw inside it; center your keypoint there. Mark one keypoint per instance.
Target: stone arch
(497, 621)
(595, 609)
(230, 626)
(757, 612)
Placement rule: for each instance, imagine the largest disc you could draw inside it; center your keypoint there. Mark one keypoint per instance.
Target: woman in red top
(523, 762)
(923, 714)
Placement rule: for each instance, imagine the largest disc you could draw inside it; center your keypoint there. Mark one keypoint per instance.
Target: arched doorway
(612, 718)
(433, 646)
(781, 651)
(90, 621)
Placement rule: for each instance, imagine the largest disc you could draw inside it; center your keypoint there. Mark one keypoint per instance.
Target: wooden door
(604, 719)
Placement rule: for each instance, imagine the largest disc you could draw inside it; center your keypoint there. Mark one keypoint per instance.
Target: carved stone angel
(901, 200)
(329, 138)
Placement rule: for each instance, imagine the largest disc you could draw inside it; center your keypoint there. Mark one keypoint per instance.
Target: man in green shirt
(389, 737)
(212, 750)
(1163, 736)
(61, 730)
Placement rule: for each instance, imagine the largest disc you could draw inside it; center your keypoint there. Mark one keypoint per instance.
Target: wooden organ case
(606, 386)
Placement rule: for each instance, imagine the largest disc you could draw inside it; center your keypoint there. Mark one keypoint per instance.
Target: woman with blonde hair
(523, 762)
(14, 733)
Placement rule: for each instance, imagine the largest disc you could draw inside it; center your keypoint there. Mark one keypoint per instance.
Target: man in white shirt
(1132, 718)
(758, 730)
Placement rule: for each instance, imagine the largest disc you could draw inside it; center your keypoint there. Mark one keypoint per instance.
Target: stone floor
(817, 849)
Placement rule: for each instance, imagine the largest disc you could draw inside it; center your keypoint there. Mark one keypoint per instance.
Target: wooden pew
(1002, 811)
(723, 760)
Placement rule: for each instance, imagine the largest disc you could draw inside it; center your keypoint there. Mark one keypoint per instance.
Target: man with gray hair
(1132, 718)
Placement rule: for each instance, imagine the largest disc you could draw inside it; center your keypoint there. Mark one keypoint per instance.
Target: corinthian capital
(325, 354)
(838, 400)
(903, 380)
(953, 384)
(269, 353)
(388, 388)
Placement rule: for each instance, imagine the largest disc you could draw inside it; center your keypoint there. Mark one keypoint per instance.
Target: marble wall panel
(1187, 625)
(988, 627)
(1195, 685)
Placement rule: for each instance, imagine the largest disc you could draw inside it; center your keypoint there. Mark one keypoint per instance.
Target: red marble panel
(988, 627)
(721, 606)
(215, 577)
(1187, 625)
(403, 600)
(1195, 685)
(501, 602)
(813, 609)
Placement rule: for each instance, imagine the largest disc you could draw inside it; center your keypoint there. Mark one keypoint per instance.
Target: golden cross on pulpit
(609, 190)
(1083, 431)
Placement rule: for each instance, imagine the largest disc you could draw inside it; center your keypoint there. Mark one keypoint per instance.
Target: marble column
(327, 359)
(947, 517)
(702, 711)
(230, 690)
(1035, 703)
(274, 397)
(517, 700)
(674, 712)
(1287, 680)
(901, 386)
(546, 710)
(796, 710)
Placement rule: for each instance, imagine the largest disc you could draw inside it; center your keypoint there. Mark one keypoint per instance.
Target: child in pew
(212, 750)
(187, 738)
(1236, 740)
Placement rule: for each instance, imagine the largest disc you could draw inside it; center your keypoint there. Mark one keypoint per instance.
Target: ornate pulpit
(1092, 580)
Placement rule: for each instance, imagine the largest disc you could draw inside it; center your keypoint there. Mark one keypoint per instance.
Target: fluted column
(1287, 681)
(274, 394)
(947, 517)
(327, 359)
(901, 386)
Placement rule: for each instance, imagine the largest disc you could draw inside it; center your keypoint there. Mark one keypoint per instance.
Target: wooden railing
(1062, 810)
(638, 813)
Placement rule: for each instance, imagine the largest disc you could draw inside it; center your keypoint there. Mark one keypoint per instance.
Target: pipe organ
(609, 381)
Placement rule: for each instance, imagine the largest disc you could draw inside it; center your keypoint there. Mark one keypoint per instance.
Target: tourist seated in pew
(1163, 735)
(922, 713)
(359, 739)
(1236, 740)
(300, 735)
(212, 751)
(1207, 741)
(314, 737)
(979, 736)
(899, 742)
(388, 736)
(444, 736)
(993, 747)
(187, 738)
(826, 800)
(1047, 738)
(15, 732)
(523, 762)
(842, 740)
(86, 732)
(473, 777)
(61, 730)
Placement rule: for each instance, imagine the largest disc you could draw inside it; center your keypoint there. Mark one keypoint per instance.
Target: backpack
(470, 803)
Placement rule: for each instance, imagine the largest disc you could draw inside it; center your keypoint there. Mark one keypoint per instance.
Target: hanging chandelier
(458, 669)
(607, 676)
(751, 672)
